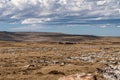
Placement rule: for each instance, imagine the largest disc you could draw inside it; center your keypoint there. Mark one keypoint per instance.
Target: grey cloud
(60, 11)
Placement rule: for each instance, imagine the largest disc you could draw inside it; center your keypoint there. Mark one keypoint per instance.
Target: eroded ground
(49, 61)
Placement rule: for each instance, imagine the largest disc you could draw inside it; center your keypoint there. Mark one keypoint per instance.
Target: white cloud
(118, 26)
(33, 27)
(101, 2)
(35, 20)
(59, 11)
(105, 25)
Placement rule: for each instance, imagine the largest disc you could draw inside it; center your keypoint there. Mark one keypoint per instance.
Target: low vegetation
(52, 60)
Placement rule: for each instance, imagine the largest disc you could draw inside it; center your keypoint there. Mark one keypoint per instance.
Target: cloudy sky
(93, 17)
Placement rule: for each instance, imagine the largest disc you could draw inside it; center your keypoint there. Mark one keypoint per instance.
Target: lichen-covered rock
(82, 76)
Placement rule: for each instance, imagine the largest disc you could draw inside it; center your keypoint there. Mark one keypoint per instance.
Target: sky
(89, 17)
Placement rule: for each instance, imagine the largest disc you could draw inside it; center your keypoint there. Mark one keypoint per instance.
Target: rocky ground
(50, 61)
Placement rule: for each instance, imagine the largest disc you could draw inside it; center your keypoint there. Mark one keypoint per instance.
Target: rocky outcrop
(111, 73)
(82, 76)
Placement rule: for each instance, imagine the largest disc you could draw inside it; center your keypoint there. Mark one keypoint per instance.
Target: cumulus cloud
(33, 27)
(60, 12)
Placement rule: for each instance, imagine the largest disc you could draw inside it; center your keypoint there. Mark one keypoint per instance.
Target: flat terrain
(49, 60)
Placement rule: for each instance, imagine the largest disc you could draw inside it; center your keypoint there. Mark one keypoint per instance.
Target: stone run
(82, 76)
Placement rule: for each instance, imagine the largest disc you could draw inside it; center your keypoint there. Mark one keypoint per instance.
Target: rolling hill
(44, 36)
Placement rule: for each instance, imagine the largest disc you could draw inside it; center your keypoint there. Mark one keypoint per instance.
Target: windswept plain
(48, 56)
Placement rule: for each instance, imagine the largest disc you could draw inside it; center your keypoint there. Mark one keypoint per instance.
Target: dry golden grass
(49, 61)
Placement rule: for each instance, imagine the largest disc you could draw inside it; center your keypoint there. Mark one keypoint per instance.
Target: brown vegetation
(51, 60)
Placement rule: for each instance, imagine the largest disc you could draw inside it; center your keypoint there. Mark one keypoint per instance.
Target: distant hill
(43, 36)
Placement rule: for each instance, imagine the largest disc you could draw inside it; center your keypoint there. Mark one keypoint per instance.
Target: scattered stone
(111, 73)
(62, 64)
(31, 67)
(79, 77)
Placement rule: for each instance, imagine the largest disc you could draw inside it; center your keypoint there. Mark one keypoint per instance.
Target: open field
(28, 60)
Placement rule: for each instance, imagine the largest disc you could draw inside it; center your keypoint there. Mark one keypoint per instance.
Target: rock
(82, 76)
(30, 67)
(111, 73)
(62, 64)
